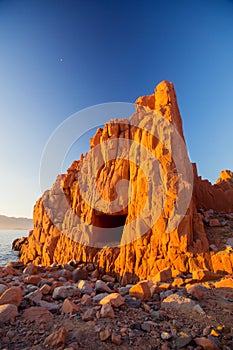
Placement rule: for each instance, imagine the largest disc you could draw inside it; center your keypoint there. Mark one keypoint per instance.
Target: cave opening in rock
(115, 224)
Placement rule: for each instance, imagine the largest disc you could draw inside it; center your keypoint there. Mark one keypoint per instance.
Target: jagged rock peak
(225, 175)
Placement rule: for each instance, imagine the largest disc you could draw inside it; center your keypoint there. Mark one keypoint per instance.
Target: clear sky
(59, 56)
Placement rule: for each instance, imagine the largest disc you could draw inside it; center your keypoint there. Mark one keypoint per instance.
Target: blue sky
(57, 57)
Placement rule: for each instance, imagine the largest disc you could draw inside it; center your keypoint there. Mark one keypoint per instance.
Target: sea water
(6, 239)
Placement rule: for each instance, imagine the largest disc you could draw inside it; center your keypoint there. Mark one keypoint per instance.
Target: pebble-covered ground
(78, 306)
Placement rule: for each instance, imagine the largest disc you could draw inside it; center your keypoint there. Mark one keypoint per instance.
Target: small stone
(64, 292)
(45, 282)
(11, 296)
(105, 334)
(214, 333)
(88, 315)
(8, 312)
(198, 291)
(124, 290)
(79, 274)
(108, 278)
(84, 287)
(10, 334)
(124, 330)
(95, 274)
(45, 289)
(146, 307)
(68, 307)
(33, 279)
(56, 339)
(165, 335)
(116, 339)
(86, 300)
(30, 269)
(35, 297)
(101, 286)
(213, 247)
(132, 302)
(183, 340)
(140, 291)
(107, 311)
(114, 299)
(66, 274)
(99, 297)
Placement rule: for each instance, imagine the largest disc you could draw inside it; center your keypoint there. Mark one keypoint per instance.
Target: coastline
(7, 238)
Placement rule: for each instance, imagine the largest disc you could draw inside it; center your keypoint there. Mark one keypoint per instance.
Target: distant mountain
(12, 223)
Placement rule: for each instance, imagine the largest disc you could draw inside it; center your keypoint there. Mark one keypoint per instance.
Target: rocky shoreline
(78, 306)
(170, 287)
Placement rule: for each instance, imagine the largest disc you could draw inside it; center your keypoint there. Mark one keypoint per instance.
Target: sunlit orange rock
(67, 225)
(225, 175)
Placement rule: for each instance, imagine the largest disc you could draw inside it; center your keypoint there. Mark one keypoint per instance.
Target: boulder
(45, 289)
(102, 287)
(69, 307)
(206, 343)
(84, 287)
(198, 291)
(140, 291)
(64, 292)
(38, 314)
(178, 303)
(79, 274)
(11, 296)
(114, 299)
(34, 297)
(33, 279)
(56, 339)
(105, 334)
(8, 312)
(107, 311)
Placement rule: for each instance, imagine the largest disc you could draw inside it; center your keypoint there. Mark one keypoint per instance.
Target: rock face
(144, 215)
(218, 196)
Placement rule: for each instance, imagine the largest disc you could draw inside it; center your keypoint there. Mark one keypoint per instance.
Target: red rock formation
(157, 213)
(218, 196)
